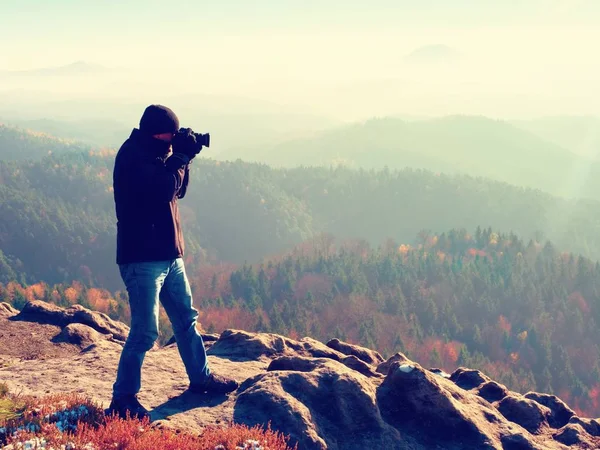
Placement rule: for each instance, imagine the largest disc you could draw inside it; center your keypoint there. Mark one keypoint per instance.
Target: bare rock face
(384, 367)
(80, 335)
(364, 354)
(411, 398)
(7, 310)
(42, 312)
(527, 413)
(560, 413)
(573, 434)
(298, 394)
(468, 378)
(492, 391)
(591, 426)
(251, 346)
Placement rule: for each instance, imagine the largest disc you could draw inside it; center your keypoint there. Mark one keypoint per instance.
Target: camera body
(193, 142)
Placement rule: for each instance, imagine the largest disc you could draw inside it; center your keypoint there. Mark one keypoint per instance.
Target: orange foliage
(504, 324)
(100, 300)
(71, 295)
(224, 318)
(36, 291)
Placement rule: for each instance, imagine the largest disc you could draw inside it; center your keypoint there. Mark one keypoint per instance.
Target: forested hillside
(20, 144)
(57, 219)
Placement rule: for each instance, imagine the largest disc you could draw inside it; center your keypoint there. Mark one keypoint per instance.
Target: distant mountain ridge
(474, 145)
(74, 68)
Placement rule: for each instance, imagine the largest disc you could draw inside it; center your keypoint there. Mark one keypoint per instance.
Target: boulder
(591, 426)
(7, 310)
(492, 391)
(360, 366)
(209, 337)
(384, 367)
(80, 335)
(319, 402)
(364, 354)
(412, 398)
(517, 441)
(252, 346)
(529, 414)
(573, 434)
(468, 378)
(43, 312)
(560, 413)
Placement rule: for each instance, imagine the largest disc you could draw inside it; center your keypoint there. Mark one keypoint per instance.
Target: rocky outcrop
(384, 367)
(320, 402)
(364, 354)
(81, 335)
(42, 312)
(527, 413)
(560, 413)
(325, 396)
(7, 310)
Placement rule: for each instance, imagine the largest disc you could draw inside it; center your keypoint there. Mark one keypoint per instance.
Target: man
(148, 180)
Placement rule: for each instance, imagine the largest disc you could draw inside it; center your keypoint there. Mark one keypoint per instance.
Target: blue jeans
(148, 283)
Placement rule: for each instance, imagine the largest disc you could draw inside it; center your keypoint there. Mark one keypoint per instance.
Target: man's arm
(184, 184)
(159, 181)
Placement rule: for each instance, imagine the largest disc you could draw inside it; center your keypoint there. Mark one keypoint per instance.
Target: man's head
(159, 122)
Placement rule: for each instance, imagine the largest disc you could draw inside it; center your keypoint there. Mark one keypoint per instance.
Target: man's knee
(141, 342)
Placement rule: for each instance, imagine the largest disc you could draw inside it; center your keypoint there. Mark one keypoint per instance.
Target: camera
(203, 140)
(189, 142)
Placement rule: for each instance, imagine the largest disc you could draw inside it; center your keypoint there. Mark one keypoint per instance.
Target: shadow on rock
(185, 401)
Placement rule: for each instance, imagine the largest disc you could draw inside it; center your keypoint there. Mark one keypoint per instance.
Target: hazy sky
(322, 52)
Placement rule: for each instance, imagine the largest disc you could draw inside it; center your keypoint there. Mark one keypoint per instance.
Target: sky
(343, 58)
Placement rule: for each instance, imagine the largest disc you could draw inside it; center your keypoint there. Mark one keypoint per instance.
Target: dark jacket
(147, 184)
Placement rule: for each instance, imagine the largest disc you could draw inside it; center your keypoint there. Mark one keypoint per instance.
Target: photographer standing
(148, 180)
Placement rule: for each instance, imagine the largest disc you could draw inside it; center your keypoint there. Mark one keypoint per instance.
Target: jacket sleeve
(184, 184)
(162, 181)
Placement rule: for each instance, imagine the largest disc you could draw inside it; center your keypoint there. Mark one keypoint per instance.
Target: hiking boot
(127, 405)
(215, 384)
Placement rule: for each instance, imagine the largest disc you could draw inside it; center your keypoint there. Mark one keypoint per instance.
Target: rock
(80, 335)
(306, 364)
(492, 391)
(42, 312)
(301, 403)
(572, 434)
(369, 356)
(297, 363)
(517, 442)
(525, 412)
(560, 413)
(468, 378)
(252, 346)
(591, 426)
(205, 337)
(384, 367)
(99, 322)
(411, 397)
(440, 372)
(360, 366)
(7, 310)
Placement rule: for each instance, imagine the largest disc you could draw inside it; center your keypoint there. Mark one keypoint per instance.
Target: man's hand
(185, 142)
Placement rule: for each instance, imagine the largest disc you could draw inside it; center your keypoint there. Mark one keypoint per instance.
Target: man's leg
(143, 281)
(176, 298)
